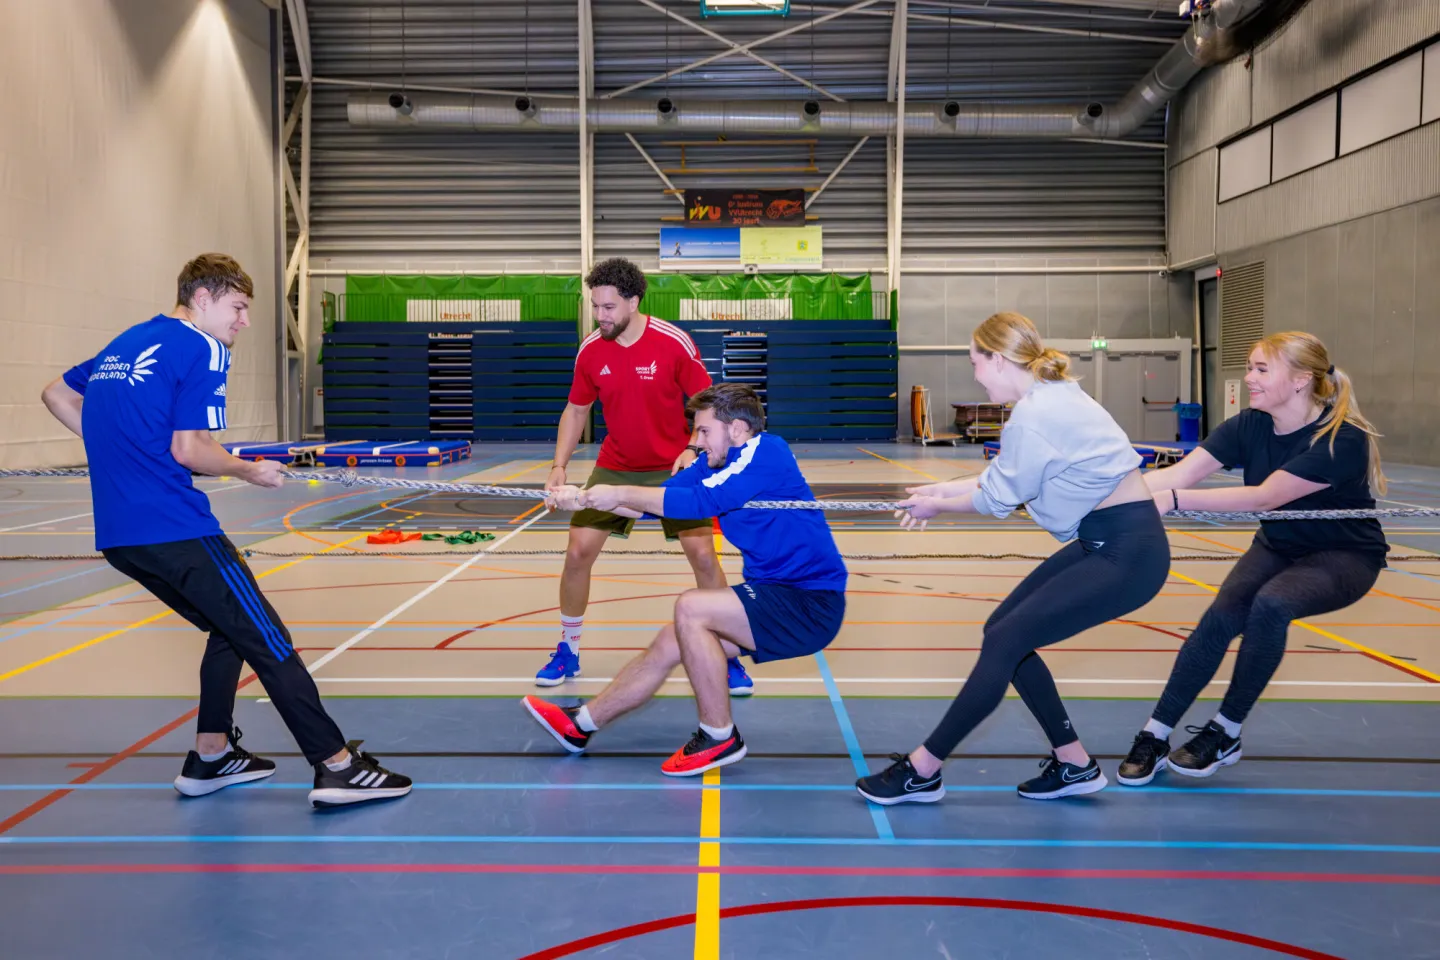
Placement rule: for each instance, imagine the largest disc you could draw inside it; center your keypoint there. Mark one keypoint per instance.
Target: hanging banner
(745, 208)
(462, 311)
(782, 247)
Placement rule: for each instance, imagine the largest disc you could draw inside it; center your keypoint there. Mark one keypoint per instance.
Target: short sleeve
(1226, 442)
(200, 392)
(1349, 461)
(582, 388)
(78, 376)
(692, 374)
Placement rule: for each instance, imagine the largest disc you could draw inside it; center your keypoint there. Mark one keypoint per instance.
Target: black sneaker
(1210, 749)
(199, 777)
(363, 780)
(1148, 756)
(899, 783)
(1058, 780)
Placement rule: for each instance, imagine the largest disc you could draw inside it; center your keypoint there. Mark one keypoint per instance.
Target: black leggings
(207, 583)
(1117, 564)
(1259, 598)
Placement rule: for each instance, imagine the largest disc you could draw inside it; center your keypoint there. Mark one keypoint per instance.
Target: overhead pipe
(1201, 46)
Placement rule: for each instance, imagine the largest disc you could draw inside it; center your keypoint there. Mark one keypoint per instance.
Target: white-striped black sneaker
(364, 779)
(1058, 780)
(199, 777)
(900, 783)
(1210, 749)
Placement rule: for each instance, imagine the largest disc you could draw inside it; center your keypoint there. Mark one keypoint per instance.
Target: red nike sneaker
(559, 722)
(702, 753)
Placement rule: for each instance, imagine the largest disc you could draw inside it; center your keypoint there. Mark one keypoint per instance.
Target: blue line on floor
(386, 509)
(1411, 573)
(768, 788)
(852, 744)
(47, 583)
(71, 615)
(743, 841)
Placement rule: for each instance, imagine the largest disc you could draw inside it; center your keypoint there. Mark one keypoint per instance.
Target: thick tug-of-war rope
(351, 479)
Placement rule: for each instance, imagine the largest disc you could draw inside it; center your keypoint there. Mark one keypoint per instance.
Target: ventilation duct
(1206, 39)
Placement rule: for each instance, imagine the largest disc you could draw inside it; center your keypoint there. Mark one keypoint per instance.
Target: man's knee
(581, 551)
(690, 608)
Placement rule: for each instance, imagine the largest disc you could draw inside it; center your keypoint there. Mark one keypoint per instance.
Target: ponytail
(1304, 353)
(1015, 338)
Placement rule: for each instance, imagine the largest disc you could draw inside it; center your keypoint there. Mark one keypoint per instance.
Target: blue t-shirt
(790, 547)
(157, 377)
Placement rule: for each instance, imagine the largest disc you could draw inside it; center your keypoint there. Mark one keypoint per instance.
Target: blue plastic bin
(1188, 415)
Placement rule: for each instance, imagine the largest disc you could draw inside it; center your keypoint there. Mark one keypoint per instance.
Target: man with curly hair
(641, 369)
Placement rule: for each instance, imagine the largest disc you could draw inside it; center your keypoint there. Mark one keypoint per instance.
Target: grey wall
(1370, 288)
(943, 310)
(137, 135)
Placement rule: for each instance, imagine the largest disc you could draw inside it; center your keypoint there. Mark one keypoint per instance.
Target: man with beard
(641, 369)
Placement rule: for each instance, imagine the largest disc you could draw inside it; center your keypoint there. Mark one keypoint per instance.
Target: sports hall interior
(418, 188)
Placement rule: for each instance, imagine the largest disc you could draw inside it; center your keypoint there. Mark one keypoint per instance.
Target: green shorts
(618, 526)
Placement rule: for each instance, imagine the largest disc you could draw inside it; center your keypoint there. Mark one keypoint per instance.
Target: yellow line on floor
(707, 885)
(897, 463)
(93, 641)
(1407, 667)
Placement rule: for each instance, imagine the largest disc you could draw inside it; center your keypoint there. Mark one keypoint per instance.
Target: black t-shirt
(1249, 440)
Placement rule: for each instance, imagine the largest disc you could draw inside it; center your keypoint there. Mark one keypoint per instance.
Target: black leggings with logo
(1117, 564)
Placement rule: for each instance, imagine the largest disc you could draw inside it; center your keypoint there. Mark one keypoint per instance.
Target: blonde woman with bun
(1304, 445)
(1066, 460)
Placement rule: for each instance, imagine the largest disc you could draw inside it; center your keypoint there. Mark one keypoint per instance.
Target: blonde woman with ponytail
(1065, 459)
(1304, 445)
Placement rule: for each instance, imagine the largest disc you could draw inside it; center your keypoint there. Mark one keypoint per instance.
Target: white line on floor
(54, 520)
(950, 681)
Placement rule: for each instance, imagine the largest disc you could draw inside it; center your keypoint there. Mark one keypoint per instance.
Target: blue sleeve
(200, 392)
(759, 466)
(79, 375)
(690, 476)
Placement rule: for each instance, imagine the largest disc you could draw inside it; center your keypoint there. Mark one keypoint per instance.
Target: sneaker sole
(340, 796)
(549, 729)
(555, 681)
(1070, 790)
(742, 691)
(1162, 765)
(725, 761)
(928, 796)
(188, 787)
(1206, 771)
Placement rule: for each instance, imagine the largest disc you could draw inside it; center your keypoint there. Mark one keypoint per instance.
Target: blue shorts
(788, 622)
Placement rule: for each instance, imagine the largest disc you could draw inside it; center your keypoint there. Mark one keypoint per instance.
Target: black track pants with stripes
(207, 583)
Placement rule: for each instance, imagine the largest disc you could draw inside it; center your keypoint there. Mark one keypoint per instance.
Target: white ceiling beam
(747, 47)
(735, 49)
(300, 28)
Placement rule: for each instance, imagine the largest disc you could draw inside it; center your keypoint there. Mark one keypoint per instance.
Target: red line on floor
(641, 869)
(490, 623)
(984, 903)
(15, 819)
(831, 649)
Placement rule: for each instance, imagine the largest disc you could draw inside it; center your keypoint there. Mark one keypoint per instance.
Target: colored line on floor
(896, 463)
(947, 681)
(583, 839)
(707, 882)
(1373, 654)
(984, 903)
(852, 744)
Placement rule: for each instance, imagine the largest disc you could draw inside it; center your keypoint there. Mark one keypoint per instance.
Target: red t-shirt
(642, 388)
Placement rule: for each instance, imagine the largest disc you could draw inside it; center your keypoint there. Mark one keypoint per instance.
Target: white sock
(337, 767)
(212, 757)
(583, 721)
(1232, 729)
(570, 631)
(718, 733)
(1160, 730)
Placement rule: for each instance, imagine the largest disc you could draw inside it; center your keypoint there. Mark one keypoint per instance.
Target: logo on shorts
(748, 589)
(605, 371)
(648, 373)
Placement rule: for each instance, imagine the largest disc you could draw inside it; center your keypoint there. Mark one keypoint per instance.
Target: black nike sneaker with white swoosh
(364, 779)
(200, 777)
(1210, 749)
(1058, 780)
(900, 783)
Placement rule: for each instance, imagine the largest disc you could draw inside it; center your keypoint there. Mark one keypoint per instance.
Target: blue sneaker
(740, 683)
(562, 666)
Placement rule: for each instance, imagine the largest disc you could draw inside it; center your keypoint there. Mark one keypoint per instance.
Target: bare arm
(1278, 489)
(197, 450)
(572, 428)
(1196, 466)
(64, 404)
(626, 501)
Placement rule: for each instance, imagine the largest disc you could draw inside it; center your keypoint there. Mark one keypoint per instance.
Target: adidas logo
(220, 390)
(605, 370)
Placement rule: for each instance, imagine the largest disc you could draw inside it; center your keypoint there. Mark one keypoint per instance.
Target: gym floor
(1317, 845)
